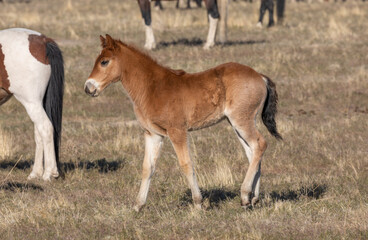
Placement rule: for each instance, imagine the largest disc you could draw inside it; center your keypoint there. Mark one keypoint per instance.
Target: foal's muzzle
(90, 89)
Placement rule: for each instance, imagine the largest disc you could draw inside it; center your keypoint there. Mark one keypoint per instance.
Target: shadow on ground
(102, 165)
(218, 195)
(314, 191)
(22, 165)
(200, 42)
(214, 196)
(22, 187)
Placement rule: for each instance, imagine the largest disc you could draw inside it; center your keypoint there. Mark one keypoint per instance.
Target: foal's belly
(204, 115)
(206, 123)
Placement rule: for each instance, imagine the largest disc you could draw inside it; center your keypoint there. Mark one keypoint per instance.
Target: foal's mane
(145, 55)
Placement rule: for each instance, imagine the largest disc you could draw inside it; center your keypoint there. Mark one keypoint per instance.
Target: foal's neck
(139, 72)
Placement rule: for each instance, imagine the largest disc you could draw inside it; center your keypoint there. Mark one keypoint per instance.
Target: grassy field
(314, 184)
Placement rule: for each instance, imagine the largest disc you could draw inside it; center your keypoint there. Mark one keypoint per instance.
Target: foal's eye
(104, 63)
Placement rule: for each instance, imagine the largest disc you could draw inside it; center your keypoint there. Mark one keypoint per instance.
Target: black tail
(270, 109)
(53, 99)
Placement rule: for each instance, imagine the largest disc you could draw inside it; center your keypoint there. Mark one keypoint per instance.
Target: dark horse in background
(215, 9)
(212, 7)
(269, 5)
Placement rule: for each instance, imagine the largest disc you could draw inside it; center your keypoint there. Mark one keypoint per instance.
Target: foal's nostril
(86, 89)
(90, 88)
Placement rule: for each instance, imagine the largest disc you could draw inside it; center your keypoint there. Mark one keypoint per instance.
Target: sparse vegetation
(314, 183)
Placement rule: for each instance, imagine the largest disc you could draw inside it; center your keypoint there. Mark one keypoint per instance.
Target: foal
(172, 102)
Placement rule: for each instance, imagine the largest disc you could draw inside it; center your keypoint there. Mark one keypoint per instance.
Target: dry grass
(314, 183)
(7, 144)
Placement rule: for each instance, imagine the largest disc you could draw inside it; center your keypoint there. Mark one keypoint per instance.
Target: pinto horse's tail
(270, 108)
(53, 99)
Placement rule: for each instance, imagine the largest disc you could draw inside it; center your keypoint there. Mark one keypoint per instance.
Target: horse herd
(215, 9)
(167, 103)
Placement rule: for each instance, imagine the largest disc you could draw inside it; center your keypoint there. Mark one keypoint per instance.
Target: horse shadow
(314, 191)
(242, 42)
(21, 165)
(22, 187)
(181, 41)
(216, 196)
(102, 165)
(199, 42)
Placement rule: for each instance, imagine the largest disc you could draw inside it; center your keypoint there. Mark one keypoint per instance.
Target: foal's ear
(103, 41)
(110, 41)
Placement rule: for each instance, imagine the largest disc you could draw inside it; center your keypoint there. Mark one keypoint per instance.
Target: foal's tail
(270, 108)
(53, 99)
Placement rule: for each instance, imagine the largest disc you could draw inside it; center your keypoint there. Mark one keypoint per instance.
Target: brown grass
(314, 183)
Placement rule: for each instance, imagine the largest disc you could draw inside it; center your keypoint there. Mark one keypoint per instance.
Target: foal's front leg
(153, 145)
(179, 141)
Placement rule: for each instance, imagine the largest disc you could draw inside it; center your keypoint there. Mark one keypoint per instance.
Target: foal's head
(106, 69)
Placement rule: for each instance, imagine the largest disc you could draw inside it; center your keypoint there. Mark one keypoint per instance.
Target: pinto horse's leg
(46, 131)
(153, 145)
(145, 7)
(37, 170)
(254, 145)
(180, 143)
(213, 16)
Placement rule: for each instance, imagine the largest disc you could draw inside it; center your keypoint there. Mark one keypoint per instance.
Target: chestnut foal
(171, 102)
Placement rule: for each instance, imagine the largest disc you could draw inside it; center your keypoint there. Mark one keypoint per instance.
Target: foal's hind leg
(179, 141)
(37, 169)
(254, 145)
(153, 145)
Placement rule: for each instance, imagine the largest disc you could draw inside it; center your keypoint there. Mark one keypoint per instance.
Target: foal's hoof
(246, 205)
(198, 206)
(138, 208)
(254, 201)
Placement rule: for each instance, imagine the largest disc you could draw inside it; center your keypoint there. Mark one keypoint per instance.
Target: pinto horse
(31, 69)
(171, 102)
(213, 16)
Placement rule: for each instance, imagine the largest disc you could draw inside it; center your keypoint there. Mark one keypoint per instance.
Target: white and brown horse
(31, 69)
(213, 16)
(172, 102)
